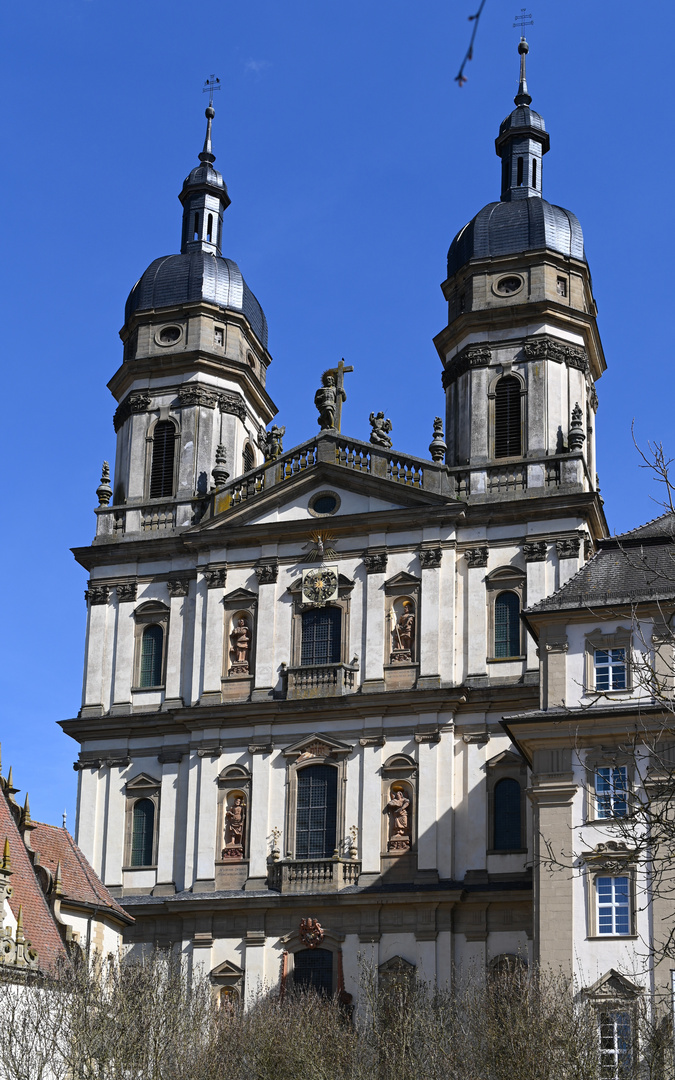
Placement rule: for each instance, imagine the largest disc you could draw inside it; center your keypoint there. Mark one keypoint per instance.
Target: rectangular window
(610, 669)
(613, 905)
(611, 787)
(615, 1046)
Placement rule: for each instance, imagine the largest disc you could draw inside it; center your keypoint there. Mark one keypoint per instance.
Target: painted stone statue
(399, 823)
(235, 819)
(403, 634)
(241, 648)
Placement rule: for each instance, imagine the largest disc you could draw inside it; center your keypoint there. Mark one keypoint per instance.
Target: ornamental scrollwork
(126, 591)
(97, 594)
(178, 586)
(535, 551)
(568, 547)
(133, 403)
(216, 576)
(267, 573)
(477, 557)
(548, 348)
(430, 558)
(376, 562)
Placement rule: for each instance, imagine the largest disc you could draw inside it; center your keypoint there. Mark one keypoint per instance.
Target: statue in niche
(326, 401)
(403, 634)
(241, 648)
(235, 819)
(399, 822)
(379, 436)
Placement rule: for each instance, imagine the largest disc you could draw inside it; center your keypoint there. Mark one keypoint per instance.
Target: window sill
(612, 937)
(505, 659)
(507, 851)
(128, 869)
(143, 689)
(611, 820)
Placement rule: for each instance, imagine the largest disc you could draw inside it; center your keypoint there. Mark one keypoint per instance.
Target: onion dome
(199, 272)
(522, 220)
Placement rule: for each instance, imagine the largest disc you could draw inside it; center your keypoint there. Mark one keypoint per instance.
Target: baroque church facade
(292, 748)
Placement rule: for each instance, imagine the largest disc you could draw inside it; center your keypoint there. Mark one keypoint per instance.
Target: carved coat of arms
(311, 933)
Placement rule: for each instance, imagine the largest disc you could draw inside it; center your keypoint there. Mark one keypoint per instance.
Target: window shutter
(508, 434)
(142, 834)
(151, 656)
(315, 824)
(321, 636)
(507, 625)
(161, 472)
(507, 827)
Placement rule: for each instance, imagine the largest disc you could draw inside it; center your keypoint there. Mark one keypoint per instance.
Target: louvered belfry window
(248, 458)
(321, 636)
(507, 625)
(315, 825)
(151, 656)
(161, 471)
(142, 832)
(508, 427)
(507, 831)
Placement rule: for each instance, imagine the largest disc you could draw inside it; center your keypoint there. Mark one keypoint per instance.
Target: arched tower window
(249, 459)
(508, 424)
(161, 470)
(143, 833)
(316, 813)
(151, 656)
(507, 825)
(507, 625)
(321, 632)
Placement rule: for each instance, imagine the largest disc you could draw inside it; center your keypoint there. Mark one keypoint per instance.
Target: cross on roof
(212, 84)
(521, 21)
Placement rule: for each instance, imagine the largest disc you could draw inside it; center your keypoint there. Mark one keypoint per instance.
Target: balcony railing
(320, 680)
(313, 875)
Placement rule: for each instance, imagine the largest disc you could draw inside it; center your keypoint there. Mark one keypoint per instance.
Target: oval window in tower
(168, 335)
(509, 285)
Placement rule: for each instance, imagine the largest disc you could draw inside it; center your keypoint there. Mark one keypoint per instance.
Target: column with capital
(430, 560)
(267, 572)
(178, 602)
(124, 648)
(476, 609)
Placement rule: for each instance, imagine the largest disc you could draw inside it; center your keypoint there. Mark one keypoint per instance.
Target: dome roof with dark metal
(193, 276)
(507, 228)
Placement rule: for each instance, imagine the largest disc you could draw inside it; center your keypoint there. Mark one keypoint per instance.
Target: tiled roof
(38, 921)
(79, 882)
(635, 566)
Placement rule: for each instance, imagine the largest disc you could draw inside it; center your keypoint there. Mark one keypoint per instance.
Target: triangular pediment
(404, 578)
(142, 781)
(240, 596)
(613, 985)
(227, 969)
(318, 746)
(506, 758)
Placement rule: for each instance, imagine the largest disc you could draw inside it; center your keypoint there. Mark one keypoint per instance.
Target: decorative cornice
(261, 748)
(216, 576)
(101, 762)
(97, 594)
(548, 348)
(376, 562)
(470, 356)
(132, 403)
(267, 572)
(126, 591)
(476, 738)
(613, 857)
(232, 403)
(210, 751)
(178, 586)
(428, 737)
(372, 740)
(535, 550)
(568, 547)
(477, 556)
(430, 557)
(194, 394)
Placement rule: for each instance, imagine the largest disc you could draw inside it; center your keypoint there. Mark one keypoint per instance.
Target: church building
(292, 747)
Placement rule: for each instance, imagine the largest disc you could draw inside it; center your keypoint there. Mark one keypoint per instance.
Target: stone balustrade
(313, 875)
(320, 680)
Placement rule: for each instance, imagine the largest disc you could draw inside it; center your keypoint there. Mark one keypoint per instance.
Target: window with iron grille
(611, 787)
(508, 426)
(321, 631)
(313, 969)
(249, 460)
(615, 1040)
(142, 833)
(161, 471)
(507, 625)
(316, 812)
(507, 827)
(151, 656)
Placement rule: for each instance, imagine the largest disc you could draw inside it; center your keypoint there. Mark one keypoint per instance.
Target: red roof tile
(78, 880)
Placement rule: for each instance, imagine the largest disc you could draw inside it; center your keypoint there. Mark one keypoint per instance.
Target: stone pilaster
(124, 649)
(265, 678)
(476, 624)
(373, 667)
(214, 642)
(370, 838)
(430, 560)
(259, 826)
(167, 824)
(173, 691)
(427, 811)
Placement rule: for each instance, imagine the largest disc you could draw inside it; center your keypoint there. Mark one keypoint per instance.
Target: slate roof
(39, 924)
(79, 882)
(635, 566)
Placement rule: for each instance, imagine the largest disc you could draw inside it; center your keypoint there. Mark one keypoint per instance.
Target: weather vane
(213, 83)
(521, 21)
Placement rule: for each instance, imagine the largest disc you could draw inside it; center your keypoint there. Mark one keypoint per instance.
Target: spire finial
(212, 84)
(6, 857)
(522, 97)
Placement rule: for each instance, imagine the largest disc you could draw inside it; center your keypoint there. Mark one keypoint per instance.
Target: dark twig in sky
(461, 77)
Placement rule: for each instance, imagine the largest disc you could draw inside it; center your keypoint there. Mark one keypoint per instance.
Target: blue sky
(352, 159)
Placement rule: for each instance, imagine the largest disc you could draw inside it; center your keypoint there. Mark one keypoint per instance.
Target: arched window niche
(151, 626)
(402, 627)
(161, 459)
(506, 778)
(507, 415)
(240, 608)
(315, 827)
(505, 596)
(399, 818)
(234, 799)
(142, 822)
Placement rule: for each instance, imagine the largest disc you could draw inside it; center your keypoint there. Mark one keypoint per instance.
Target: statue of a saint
(403, 633)
(399, 829)
(273, 446)
(379, 436)
(241, 648)
(235, 816)
(325, 400)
